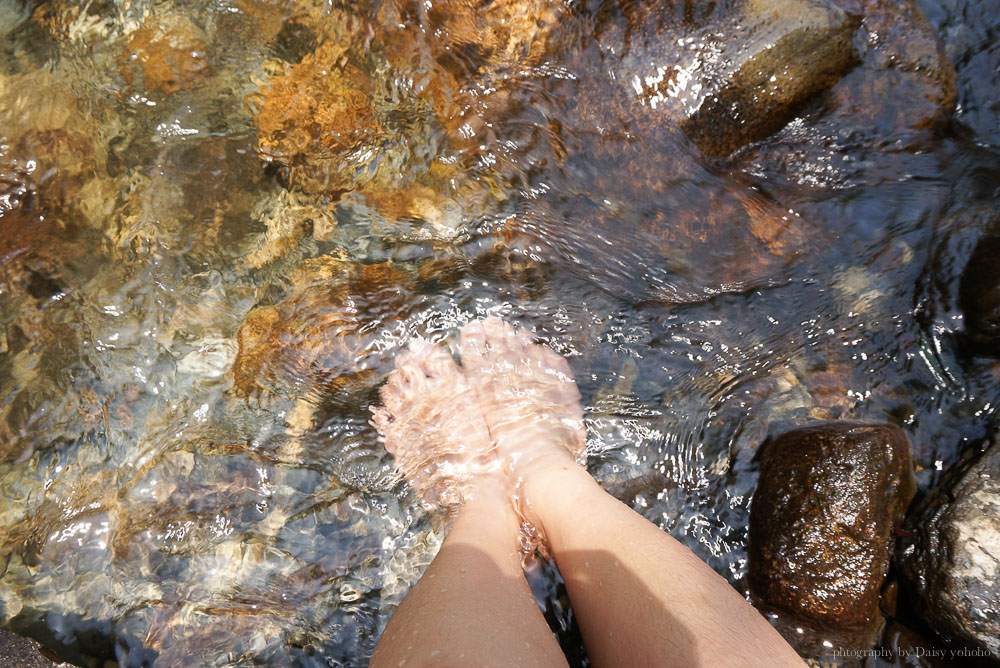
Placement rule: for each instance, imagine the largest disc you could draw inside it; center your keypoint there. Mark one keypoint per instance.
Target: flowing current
(220, 222)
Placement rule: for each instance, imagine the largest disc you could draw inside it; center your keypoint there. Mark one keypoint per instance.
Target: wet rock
(785, 53)
(19, 651)
(904, 646)
(727, 75)
(333, 128)
(471, 62)
(906, 60)
(871, 123)
(821, 525)
(968, 29)
(403, 113)
(951, 557)
(320, 112)
(979, 296)
(166, 54)
(499, 35)
(52, 147)
(687, 244)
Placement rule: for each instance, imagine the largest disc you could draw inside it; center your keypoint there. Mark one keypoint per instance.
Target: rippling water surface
(220, 221)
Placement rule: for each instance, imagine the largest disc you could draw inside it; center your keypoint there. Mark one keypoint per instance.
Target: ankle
(550, 496)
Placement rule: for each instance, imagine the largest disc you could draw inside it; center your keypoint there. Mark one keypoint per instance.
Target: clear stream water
(196, 308)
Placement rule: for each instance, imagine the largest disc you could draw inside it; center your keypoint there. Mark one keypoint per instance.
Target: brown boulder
(821, 525)
(322, 339)
(788, 52)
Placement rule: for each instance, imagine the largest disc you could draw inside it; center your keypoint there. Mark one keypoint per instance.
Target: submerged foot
(529, 400)
(433, 427)
(505, 420)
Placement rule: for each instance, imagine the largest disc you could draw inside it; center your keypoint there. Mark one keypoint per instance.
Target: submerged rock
(821, 525)
(323, 338)
(335, 123)
(950, 555)
(727, 75)
(168, 53)
(68, 20)
(786, 53)
(908, 81)
(892, 105)
(318, 115)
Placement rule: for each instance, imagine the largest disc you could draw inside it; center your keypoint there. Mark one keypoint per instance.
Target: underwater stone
(821, 525)
(170, 54)
(322, 339)
(950, 553)
(797, 50)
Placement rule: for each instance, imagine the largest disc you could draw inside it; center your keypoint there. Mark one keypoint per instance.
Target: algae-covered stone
(950, 554)
(821, 525)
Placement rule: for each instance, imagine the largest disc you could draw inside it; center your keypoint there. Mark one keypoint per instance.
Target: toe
(497, 333)
(412, 378)
(392, 393)
(440, 367)
(503, 344)
(473, 345)
(525, 337)
(381, 420)
(418, 350)
(550, 360)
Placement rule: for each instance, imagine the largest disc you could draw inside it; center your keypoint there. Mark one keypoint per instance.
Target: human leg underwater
(641, 597)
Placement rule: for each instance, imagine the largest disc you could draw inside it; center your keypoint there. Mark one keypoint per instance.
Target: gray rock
(951, 560)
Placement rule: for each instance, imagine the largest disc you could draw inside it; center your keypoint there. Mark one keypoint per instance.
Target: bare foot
(529, 400)
(433, 427)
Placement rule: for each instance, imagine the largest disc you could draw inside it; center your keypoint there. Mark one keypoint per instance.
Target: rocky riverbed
(762, 232)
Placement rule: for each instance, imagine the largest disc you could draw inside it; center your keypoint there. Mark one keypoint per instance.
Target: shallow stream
(220, 221)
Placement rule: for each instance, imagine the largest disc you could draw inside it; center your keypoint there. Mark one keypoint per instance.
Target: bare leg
(642, 598)
(472, 606)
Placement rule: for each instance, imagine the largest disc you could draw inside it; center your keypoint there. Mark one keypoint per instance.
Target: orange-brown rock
(473, 55)
(319, 121)
(166, 54)
(332, 129)
(443, 76)
(36, 239)
(322, 339)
